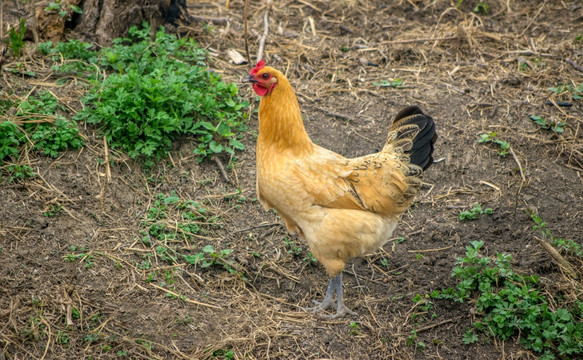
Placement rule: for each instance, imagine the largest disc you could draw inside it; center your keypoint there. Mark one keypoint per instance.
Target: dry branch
(265, 31)
(222, 168)
(558, 258)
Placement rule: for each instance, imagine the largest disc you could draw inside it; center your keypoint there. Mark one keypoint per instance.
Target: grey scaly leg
(328, 298)
(341, 309)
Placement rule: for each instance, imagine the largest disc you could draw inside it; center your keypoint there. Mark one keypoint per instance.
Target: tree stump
(104, 20)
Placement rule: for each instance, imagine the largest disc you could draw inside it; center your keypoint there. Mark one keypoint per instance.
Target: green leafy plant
(491, 138)
(48, 136)
(209, 256)
(575, 92)
(53, 210)
(397, 83)
(160, 91)
(10, 140)
(481, 7)
(17, 172)
(354, 328)
(293, 249)
(544, 124)
(474, 212)
(57, 7)
(469, 337)
(16, 38)
(510, 304)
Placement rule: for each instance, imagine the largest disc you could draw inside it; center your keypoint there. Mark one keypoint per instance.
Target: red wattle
(260, 90)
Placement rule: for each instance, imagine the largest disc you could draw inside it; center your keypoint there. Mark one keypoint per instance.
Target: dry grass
(476, 73)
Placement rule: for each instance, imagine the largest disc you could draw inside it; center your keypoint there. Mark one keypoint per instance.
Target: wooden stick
(185, 298)
(265, 31)
(408, 41)
(518, 163)
(559, 259)
(222, 168)
(245, 32)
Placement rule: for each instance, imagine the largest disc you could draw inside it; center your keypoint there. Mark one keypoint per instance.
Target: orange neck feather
(280, 120)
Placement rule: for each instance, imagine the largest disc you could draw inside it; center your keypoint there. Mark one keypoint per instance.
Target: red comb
(257, 67)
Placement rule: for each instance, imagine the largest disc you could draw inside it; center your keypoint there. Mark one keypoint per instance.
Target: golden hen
(342, 207)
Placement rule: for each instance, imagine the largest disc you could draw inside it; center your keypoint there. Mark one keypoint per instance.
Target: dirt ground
(474, 73)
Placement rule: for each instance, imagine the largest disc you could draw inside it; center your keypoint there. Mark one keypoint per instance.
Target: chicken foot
(335, 286)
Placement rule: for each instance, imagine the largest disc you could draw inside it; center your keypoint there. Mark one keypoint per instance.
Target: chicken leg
(335, 286)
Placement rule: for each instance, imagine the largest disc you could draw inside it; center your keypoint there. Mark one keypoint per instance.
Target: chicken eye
(265, 76)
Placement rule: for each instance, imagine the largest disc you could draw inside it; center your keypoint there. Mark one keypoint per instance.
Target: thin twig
(245, 32)
(185, 298)
(408, 41)
(222, 168)
(518, 163)
(559, 259)
(265, 31)
(107, 168)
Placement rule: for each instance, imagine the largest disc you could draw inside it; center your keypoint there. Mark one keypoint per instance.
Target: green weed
(160, 91)
(53, 210)
(396, 84)
(10, 141)
(474, 212)
(293, 249)
(16, 38)
(575, 92)
(50, 137)
(17, 173)
(544, 124)
(491, 138)
(481, 7)
(511, 304)
(354, 328)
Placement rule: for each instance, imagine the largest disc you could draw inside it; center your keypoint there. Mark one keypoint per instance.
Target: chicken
(342, 207)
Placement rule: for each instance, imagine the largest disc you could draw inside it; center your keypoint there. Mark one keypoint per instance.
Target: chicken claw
(335, 286)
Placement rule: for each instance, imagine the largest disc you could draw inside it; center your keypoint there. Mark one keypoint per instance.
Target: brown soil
(485, 73)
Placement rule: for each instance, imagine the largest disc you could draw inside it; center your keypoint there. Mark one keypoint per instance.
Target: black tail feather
(421, 151)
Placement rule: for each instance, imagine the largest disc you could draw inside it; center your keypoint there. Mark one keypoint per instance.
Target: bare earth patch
(91, 281)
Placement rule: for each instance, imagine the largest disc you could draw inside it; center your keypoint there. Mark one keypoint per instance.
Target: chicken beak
(249, 79)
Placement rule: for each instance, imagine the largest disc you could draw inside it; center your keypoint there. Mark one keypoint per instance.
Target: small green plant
(491, 138)
(482, 7)
(16, 38)
(310, 259)
(18, 173)
(397, 83)
(575, 92)
(354, 328)
(345, 48)
(469, 337)
(53, 210)
(225, 354)
(292, 247)
(57, 7)
(510, 304)
(49, 131)
(209, 256)
(83, 256)
(556, 127)
(63, 338)
(412, 341)
(474, 212)
(10, 140)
